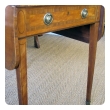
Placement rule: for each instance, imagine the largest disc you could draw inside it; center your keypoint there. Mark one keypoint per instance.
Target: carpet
(57, 73)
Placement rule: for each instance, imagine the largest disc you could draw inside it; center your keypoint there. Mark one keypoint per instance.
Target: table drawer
(31, 20)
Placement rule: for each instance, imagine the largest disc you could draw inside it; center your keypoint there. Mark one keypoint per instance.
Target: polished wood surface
(25, 21)
(31, 18)
(21, 74)
(11, 39)
(92, 55)
(82, 33)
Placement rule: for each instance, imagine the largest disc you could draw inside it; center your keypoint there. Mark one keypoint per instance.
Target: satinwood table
(22, 21)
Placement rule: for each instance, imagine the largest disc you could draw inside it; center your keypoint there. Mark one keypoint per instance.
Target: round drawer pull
(48, 18)
(84, 13)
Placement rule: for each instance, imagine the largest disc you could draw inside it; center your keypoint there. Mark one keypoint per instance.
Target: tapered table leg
(21, 74)
(36, 42)
(92, 55)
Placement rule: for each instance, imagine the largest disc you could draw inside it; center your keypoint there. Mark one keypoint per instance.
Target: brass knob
(84, 13)
(48, 18)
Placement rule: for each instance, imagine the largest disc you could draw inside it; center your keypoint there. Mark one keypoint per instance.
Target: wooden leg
(36, 42)
(21, 74)
(92, 55)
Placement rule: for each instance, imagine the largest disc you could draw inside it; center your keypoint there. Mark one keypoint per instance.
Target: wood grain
(63, 17)
(21, 73)
(82, 33)
(92, 56)
(11, 40)
(21, 22)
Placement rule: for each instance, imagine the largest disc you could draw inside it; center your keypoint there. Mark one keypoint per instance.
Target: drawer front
(30, 20)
